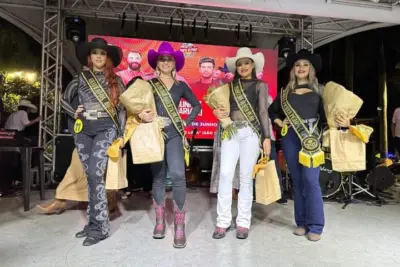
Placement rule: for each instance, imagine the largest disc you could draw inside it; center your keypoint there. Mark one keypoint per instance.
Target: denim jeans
(174, 157)
(308, 203)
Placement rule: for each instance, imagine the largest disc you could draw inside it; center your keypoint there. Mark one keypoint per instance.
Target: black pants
(92, 145)
(174, 157)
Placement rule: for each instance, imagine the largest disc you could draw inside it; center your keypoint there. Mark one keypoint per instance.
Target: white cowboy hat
(245, 52)
(28, 104)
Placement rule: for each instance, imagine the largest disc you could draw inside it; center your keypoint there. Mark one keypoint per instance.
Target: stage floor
(360, 235)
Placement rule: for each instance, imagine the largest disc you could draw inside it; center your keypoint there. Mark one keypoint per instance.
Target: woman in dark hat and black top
(299, 110)
(98, 122)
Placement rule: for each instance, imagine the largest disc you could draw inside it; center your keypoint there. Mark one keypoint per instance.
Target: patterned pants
(92, 145)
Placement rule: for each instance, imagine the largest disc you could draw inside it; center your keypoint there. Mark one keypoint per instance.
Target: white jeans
(245, 147)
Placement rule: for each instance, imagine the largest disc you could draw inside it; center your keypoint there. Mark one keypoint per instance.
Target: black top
(257, 94)
(178, 90)
(78, 88)
(308, 106)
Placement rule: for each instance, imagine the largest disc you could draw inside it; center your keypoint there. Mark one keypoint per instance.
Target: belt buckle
(92, 115)
(167, 121)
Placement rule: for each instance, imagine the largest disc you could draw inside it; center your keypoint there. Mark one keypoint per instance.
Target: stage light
(287, 46)
(75, 29)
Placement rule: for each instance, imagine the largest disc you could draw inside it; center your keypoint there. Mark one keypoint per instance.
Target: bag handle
(264, 159)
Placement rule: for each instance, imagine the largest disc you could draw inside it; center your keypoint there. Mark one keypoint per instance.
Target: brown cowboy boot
(57, 206)
(179, 225)
(159, 229)
(113, 209)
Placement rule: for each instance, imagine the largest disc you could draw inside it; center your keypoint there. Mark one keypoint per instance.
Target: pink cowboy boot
(179, 225)
(159, 229)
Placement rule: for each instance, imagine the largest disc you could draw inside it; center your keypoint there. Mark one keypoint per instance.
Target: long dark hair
(111, 79)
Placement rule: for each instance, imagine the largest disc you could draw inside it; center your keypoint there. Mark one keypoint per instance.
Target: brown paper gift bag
(147, 143)
(268, 189)
(347, 151)
(116, 172)
(339, 100)
(137, 97)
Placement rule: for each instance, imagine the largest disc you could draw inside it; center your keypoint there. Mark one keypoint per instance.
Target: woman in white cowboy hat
(19, 119)
(248, 110)
(99, 120)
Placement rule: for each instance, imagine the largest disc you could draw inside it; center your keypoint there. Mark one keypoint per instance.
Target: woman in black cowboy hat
(299, 110)
(98, 122)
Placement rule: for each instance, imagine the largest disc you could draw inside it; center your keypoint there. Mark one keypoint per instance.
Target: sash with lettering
(310, 154)
(169, 105)
(101, 95)
(245, 107)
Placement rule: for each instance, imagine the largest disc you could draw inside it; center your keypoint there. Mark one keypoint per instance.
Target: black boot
(83, 233)
(91, 240)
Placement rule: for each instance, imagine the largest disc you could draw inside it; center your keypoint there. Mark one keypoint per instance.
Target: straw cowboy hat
(26, 103)
(113, 52)
(314, 59)
(166, 49)
(245, 52)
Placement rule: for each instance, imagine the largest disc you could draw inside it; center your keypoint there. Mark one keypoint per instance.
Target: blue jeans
(308, 203)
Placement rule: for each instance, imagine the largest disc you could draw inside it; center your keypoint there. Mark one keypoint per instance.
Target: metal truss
(154, 12)
(51, 76)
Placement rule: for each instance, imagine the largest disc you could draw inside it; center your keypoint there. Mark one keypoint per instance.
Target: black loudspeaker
(65, 145)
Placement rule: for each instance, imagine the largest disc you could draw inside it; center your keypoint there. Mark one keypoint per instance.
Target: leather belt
(95, 115)
(310, 123)
(167, 121)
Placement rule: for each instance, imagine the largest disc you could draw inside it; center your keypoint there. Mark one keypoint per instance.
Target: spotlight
(287, 46)
(75, 29)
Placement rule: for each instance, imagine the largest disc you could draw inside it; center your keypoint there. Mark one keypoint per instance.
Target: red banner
(203, 64)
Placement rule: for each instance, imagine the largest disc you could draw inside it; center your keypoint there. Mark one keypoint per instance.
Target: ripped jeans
(92, 144)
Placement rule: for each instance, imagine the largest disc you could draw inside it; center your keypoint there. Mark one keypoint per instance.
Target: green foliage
(12, 90)
(18, 52)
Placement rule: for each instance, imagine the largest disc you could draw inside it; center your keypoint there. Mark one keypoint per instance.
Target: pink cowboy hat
(166, 49)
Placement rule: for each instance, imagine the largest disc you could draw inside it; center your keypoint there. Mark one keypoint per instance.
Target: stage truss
(309, 31)
(51, 77)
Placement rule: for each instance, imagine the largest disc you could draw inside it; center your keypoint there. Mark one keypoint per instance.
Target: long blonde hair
(312, 80)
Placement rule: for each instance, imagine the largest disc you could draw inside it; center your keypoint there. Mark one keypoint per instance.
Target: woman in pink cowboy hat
(168, 92)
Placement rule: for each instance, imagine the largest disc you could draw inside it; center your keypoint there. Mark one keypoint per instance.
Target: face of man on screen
(206, 70)
(134, 60)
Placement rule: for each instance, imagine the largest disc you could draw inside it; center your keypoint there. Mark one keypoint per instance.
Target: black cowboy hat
(315, 59)
(113, 52)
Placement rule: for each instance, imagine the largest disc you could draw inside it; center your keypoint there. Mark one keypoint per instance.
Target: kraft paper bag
(348, 152)
(268, 189)
(339, 100)
(137, 97)
(116, 172)
(147, 143)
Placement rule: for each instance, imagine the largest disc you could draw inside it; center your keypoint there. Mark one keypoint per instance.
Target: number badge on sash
(284, 130)
(78, 126)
